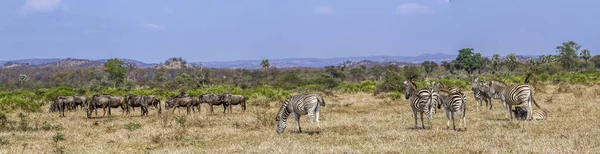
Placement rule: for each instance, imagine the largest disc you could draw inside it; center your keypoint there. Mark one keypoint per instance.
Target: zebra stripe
(521, 95)
(297, 105)
(485, 95)
(453, 102)
(420, 101)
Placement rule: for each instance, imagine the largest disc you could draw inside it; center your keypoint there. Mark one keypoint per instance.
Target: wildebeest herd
(144, 102)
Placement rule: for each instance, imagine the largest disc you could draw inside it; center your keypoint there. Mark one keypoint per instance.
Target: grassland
(352, 123)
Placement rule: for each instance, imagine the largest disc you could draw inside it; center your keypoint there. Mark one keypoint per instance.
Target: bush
(131, 126)
(393, 82)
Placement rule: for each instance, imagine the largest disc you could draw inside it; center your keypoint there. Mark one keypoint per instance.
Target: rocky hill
(179, 63)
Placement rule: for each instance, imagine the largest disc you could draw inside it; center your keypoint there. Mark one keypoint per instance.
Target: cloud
(412, 8)
(35, 6)
(323, 10)
(154, 26)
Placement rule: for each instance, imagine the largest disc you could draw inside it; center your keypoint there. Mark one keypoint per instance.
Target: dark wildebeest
(137, 101)
(178, 101)
(68, 102)
(195, 104)
(154, 101)
(62, 103)
(79, 101)
(117, 102)
(212, 99)
(97, 101)
(229, 100)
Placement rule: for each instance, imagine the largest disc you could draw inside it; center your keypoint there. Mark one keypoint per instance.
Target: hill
(251, 64)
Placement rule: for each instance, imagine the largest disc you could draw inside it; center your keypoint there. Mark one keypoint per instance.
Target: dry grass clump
(350, 123)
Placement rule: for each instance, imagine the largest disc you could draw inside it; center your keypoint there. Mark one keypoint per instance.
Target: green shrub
(131, 126)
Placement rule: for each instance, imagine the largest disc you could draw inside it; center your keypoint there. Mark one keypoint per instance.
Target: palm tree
(22, 79)
(585, 54)
(265, 65)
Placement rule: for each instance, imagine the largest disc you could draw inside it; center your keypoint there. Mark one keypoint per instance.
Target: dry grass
(354, 123)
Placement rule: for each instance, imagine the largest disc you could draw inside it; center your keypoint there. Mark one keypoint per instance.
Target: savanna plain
(350, 123)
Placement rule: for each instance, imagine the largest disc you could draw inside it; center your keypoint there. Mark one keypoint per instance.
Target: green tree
(265, 65)
(532, 64)
(585, 55)
(22, 79)
(411, 72)
(116, 71)
(357, 73)
(469, 61)
(596, 60)
(429, 66)
(511, 62)
(568, 54)
(496, 63)
(449, 66)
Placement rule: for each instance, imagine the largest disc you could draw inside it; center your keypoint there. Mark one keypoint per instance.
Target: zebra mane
(413, 85)
(502, 82)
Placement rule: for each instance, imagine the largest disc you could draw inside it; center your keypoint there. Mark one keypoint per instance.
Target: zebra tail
(533, 100)
(321, 100)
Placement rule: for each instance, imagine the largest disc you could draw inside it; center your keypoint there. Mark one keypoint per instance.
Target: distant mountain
(322, 62)
(254, 64)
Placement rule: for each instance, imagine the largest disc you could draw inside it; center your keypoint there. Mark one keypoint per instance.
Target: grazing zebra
(298, 105)
(484, 94)
(453, 102)
(518, 95)
(420, 101)
(521, 114)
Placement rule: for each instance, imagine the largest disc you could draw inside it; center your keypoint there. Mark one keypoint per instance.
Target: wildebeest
(154, 101)
(137, 101)
(229, 100)
(185, 101)
(62, 102)
(212, 99)
(117, 102)
(97, 101)
(195, 104)
(79, 101)
(105, 102)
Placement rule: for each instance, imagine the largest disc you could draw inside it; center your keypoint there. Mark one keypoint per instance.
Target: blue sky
(219, 30)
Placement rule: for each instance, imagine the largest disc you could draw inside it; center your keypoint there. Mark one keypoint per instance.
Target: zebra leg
(317, 118)
(311, 118)
(453, 126)
(297, 117)
(422, 123)
(415, 116)
(448, 119)
(211, 109)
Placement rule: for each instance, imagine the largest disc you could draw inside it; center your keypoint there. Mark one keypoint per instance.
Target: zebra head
(280, 124)
(408, 90)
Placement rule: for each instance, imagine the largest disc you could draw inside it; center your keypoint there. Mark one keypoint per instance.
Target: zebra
(521, 114)
(297, 105)
(518, 95)
(451, 88)
(453, 102)
(484, 94)
(420, 101)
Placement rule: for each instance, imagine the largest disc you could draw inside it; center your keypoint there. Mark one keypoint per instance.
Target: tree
(429, 66)
(496, 63)
(585, 55)
(468, 60)
(265, 65)
(357, 73)
(449, 66)
(511, 62)
(532, 64)
(22, 79)
(568, 54)
(116, 71)
(596, 60)
(411, 72)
